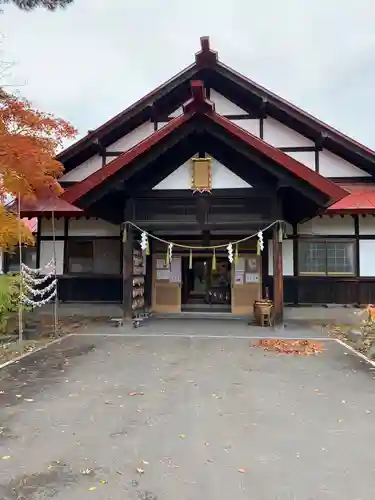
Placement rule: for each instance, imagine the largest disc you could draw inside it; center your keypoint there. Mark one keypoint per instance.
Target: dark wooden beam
(278, 284)
(127, 271)
(66, 250)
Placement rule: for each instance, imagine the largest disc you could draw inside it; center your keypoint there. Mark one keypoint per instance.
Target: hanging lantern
(144, 241)
(230, 252)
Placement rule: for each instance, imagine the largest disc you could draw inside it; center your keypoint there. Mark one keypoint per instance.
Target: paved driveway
(211, 419)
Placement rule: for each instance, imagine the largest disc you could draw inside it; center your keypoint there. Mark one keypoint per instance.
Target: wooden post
(278, 283)
(127, 272)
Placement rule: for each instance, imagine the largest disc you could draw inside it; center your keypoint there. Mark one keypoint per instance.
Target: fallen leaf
(182, 436)
(28, 400)
(140, 471)
(93, 488)
(144, 462)
(132, 393)
(242, 471)
(5, 457)
(103, 481)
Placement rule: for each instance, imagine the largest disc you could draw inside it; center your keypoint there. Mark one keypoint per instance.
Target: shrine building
(207, 159)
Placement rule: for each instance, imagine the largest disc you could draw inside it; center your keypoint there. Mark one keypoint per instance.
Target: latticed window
(327, 257)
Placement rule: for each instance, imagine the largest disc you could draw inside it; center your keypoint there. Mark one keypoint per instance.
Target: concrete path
(207, 327)
(212, 418)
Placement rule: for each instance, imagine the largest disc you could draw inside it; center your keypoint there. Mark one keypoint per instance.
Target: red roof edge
(329, 188)
(48, 207)
(72, 194)
(199, 104)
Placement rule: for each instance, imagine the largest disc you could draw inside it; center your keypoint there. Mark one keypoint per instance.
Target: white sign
(175, 275)
(252, 278)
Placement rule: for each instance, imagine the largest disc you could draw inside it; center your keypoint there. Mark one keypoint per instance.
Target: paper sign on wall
(239, 278)
(252, 278)
(252, 264)
(175, 275)
(162, 274)
(240, 266)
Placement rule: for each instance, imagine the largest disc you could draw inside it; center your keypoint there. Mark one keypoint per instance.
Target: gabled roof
(207, 59)
(198, 104)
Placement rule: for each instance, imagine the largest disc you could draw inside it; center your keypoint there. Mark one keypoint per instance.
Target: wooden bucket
(261, 307)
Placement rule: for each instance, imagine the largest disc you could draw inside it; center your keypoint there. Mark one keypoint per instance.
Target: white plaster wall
(252, 126)
(161, 124)
(84, 170)
(287, 248)
(367, 257)
(366, 225)
(223, 106)
(92, 227)
(222, 178)
(305, 157)
(278, 135)
(328, 226)
(47, 254)
(132, 138)
(46, 227)
(177, 112)
(331, 165)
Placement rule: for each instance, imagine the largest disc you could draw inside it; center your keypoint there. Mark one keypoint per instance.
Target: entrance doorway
(205, 288)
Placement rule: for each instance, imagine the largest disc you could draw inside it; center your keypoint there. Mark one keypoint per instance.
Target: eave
(199, 105)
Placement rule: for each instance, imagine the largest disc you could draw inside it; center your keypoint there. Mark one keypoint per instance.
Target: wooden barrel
(261, 307)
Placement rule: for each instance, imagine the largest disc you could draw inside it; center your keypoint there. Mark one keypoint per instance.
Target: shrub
(9, 302)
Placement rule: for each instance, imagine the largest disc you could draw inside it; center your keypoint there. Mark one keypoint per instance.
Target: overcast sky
(95, 58)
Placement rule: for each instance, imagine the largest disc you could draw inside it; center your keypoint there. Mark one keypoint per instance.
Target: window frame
(327, 241)
(8, 258)
(85, 240)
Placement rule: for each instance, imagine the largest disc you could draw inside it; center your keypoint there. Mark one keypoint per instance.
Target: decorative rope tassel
(258, 248)
(214, 260)
(167, 261)
(148, 248)
(124, 234)
(191, 259)
(236, 255)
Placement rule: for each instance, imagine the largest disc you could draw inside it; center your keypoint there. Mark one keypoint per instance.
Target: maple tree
(29, 140)
(32, 4)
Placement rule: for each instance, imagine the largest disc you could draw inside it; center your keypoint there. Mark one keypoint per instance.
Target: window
(13, 259)
(100, 256)
(327, 257)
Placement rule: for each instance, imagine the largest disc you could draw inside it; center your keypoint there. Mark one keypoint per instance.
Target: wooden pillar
(127, 271)
(278, 283)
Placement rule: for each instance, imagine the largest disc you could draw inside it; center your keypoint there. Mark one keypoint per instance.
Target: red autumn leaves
(29, 141)
(295, 347)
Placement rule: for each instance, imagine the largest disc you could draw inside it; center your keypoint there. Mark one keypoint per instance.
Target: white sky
(95, 58)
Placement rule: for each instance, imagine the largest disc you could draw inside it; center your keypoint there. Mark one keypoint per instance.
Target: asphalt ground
(188, 418)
